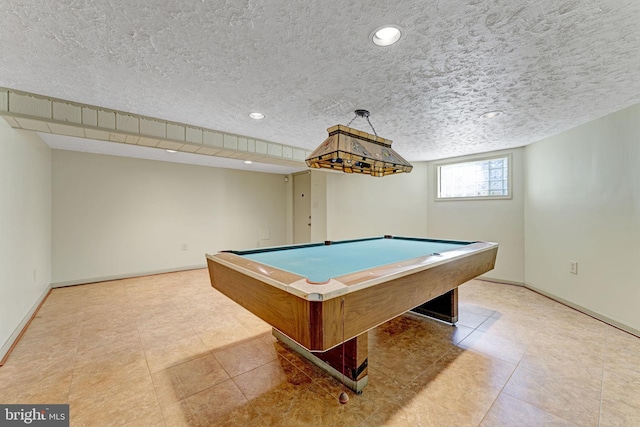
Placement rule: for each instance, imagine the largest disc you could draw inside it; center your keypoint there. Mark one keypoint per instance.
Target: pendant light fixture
(353, 151)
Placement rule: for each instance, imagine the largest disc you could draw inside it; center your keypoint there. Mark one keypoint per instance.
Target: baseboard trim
(500, 281)
(615, 323)
(13, 340)
(125, 276)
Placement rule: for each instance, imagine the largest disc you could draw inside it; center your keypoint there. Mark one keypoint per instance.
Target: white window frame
(509, 195)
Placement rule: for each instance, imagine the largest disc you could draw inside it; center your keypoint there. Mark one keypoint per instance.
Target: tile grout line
(604, 364)
(146, 360)
(75, 354)
(510, 375)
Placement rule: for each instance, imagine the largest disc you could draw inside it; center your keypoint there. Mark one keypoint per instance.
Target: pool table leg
(356, 353)
(444, 307)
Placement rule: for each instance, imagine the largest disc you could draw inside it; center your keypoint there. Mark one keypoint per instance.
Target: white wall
(364, 206)
(25, 242)
(500, 221)
(117, 217)
(583, 204)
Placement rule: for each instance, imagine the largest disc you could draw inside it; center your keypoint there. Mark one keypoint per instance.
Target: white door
(302, 207)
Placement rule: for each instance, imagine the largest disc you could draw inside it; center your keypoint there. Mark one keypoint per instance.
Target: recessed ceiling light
(491, 114)
(386, 35)
(248, 162)
(256, 116)
(171, 151)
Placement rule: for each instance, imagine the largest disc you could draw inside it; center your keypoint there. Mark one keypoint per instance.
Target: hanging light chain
(374, 131)
(365, 114)
(352, 120)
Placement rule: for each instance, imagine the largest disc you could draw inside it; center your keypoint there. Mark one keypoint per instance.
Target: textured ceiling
(549, 65)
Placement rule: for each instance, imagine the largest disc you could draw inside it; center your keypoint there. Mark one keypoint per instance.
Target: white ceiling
(549, 65)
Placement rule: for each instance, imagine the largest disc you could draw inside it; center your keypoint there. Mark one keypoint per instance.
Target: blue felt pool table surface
(321, 262)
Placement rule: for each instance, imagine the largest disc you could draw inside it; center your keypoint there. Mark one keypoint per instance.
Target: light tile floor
(170, 350)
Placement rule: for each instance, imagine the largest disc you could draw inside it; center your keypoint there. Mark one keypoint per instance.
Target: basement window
(486, 178)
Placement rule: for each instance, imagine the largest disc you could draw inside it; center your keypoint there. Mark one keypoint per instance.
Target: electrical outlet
(185, 247)
(573, 267)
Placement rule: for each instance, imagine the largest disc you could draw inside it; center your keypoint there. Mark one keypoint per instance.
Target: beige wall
(404, 204)
(500, 221)
(72, 217)
(364, 206)
(25, 221)
(583, 204)
(115, 216)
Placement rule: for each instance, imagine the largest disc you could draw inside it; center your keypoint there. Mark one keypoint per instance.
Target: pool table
(322, 298)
